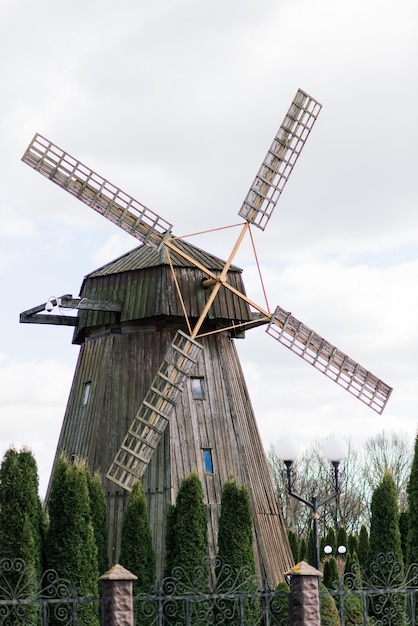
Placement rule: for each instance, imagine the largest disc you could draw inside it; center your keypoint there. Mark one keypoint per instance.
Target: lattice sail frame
(280, 159)
(328, 359)
(97, 192)
(149, 424)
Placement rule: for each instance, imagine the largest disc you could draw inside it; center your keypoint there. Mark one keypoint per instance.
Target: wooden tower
(212, 428)
(158, 390)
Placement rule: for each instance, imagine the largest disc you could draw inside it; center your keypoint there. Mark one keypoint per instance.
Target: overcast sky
(176, 102)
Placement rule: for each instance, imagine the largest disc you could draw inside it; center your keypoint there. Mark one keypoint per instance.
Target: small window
(86, 393)
(207, 460)
(197, 388)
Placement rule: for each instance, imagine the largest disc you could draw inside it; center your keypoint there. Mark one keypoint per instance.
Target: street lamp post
(334, 451)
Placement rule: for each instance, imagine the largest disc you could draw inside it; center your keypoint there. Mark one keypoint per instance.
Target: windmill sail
(280, 159)
(329, 360)
(97, 192)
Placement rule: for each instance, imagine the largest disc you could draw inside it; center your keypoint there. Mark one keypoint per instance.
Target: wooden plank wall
(120, 368)
(119, 357)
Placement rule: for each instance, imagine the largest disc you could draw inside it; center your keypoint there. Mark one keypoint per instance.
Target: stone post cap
(117, 572)
(303, 569)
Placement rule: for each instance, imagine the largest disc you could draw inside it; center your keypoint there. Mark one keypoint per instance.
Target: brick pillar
(304, 595)
(117, 604)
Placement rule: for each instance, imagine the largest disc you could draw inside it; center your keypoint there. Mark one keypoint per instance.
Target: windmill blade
(145, 432)
(95, 191)
(277, 166)
(329, 360)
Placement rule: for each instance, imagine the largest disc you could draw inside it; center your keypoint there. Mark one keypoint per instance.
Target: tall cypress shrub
(310, 550)
(137, 552)
(363, 548)
(352, 543)
(329, 610)
(70, 545)
(189, 550)
(385, 551)
(236, 569)
(331, 575)
(331, 540)
(294, 545)
(342, 539)
(187, 558)
(384, 526)
(22, 527)
(412, 491)
(22, 522)
(303, 549)
(170, 540)
(280, 606)
(353, 608)
(404, 530)
(98, 512)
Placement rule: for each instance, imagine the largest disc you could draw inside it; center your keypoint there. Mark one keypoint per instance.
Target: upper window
(86, 393)
(197, 388)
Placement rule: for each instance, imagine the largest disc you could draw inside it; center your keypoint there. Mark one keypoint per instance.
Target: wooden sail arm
(237, 328)
(37, 315)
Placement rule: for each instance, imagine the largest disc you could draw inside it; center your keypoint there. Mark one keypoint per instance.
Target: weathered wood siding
(120, 369)
(119, 358)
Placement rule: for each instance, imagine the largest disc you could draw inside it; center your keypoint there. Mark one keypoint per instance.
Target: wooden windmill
(158, 389)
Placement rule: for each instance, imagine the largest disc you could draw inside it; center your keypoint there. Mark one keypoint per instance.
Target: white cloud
(33, 395)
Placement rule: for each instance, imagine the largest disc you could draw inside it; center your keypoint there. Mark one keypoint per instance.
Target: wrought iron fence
(386, 597)
(26, 600)
(261, 608)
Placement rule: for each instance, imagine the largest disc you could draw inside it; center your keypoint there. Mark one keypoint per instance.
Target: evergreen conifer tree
(294, 545)
(189, 535)
(21, 512)
(170, 540)
(303, 549)
(235, 552)
(412, 491)
(70, 545)
(330, 578)
(385, 547)
(404, 529)
(137, 552)
(331, 540)
(342, 539)
(99, 520)
(352, 572)
(322, 544)
(280, 606)
(310, 558)
(353, 608)
(329, 610)
(352, 543)
(326, 573)
(363, 548)
(187, 543)
(22, 527)
(384, 527)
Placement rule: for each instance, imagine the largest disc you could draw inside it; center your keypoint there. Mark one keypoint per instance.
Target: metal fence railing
(387, 596)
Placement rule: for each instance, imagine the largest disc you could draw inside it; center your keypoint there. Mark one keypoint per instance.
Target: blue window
(207, 459)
